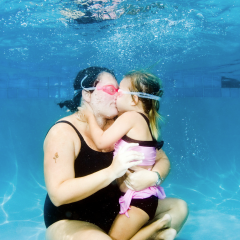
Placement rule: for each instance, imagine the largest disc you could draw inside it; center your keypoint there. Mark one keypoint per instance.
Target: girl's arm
(105, 139)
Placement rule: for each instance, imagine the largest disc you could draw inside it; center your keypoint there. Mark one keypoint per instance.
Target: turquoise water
(192, 45)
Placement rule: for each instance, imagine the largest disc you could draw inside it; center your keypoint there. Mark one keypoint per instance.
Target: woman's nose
(115, 96)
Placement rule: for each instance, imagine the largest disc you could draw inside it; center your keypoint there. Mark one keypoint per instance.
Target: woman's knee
(182, 207)
(181, 214)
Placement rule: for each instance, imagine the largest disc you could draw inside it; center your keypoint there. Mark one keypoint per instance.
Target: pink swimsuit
(149, 150)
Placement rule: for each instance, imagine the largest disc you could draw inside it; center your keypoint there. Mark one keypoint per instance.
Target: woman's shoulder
(62, 135)
(64, 127)
(69, 118)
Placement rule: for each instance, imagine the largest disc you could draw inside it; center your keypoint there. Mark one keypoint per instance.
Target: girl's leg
(124, 228)
(75, 230)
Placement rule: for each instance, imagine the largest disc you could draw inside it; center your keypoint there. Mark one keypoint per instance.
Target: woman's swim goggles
(110, 89)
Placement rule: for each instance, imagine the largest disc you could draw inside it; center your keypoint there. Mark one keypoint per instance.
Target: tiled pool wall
(55, 82)
(201, 85)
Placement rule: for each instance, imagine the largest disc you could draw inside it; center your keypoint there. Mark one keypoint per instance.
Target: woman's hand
(125, 159)
(140, 179)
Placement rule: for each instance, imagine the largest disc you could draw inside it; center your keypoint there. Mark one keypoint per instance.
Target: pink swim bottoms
(125, 200)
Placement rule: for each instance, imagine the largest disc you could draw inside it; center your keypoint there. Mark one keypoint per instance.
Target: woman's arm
(142, 178)
(59, 157)
(105, 139)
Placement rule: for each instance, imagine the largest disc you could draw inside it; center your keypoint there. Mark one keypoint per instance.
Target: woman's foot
(167, 234)
(164, 222)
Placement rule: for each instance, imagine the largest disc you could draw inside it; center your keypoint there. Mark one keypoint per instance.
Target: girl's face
(103, 103)
(124, 100)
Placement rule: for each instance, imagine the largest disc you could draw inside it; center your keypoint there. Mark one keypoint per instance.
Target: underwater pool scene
(192, 45)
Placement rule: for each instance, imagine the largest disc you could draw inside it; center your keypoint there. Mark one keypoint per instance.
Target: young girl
(137, 102)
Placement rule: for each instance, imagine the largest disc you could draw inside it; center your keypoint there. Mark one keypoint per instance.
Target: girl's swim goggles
(140, 94)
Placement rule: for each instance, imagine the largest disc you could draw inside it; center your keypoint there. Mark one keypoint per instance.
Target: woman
(82, 201)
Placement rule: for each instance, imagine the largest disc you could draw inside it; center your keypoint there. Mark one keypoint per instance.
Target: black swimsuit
(100, 208)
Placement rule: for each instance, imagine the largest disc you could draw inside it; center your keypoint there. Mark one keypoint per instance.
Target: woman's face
(103, 103)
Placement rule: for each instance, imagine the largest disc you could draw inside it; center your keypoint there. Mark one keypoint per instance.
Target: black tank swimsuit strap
(78, 133)
(153, 143)
(158, 145)
(145, 117)
(148, 123)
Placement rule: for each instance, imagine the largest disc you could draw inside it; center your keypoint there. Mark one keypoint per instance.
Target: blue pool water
(192, 45)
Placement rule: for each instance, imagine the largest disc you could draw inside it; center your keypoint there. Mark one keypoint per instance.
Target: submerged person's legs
(79, 230)
(75, 230)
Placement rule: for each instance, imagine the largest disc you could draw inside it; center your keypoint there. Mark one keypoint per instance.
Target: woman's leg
(123, 228)
(75, 230)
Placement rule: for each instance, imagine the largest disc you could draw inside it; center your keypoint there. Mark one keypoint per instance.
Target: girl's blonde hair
(143, 81)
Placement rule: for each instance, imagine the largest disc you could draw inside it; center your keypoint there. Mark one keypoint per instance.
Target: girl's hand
(125, 159)
(140, 179)
(86, 111)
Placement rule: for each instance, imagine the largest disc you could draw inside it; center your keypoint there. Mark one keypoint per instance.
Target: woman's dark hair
(91, 80)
